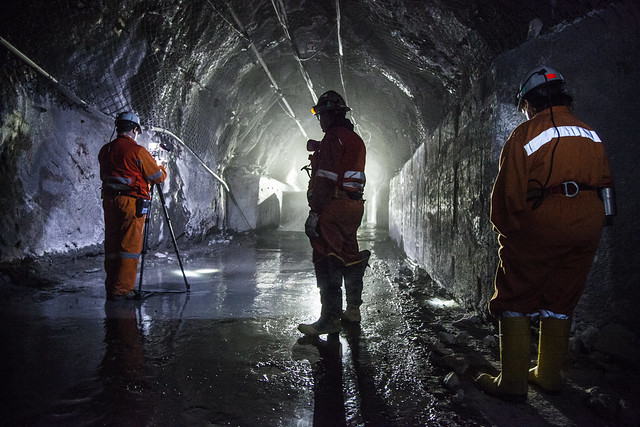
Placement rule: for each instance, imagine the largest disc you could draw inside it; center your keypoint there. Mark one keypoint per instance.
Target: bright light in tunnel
(292, 178)
(197, 273)
(372, 208)
(376, 174)
(442, 303)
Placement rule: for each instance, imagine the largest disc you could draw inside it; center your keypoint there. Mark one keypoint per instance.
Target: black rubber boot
(329, 278)
(353, 287)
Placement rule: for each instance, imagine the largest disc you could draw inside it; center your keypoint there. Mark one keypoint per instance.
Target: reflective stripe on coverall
(546, 253)
(124, 158)
(337, 170)
(127, 167)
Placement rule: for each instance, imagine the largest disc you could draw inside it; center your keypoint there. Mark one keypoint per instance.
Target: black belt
(567, 188)
(342, 194)
(112, 193)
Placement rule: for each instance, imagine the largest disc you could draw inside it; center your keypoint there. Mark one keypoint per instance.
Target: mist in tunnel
(227, 89)
(224, 90)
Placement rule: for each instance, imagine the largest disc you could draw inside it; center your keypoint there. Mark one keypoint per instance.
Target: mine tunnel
(223, 91)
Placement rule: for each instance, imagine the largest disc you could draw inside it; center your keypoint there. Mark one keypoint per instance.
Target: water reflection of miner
(329, 387)
(329, 409)
(122, 366)
(373, 408)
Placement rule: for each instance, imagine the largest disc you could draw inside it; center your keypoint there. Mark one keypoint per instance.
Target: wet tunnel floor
(229, 353)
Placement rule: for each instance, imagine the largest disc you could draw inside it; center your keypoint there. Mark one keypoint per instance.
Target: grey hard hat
(540, 75)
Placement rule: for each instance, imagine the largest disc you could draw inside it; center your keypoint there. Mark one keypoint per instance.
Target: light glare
(196, 273)
(438, 302)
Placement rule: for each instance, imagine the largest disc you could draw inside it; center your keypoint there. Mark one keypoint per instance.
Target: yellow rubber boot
(552, 350)
(515, 356)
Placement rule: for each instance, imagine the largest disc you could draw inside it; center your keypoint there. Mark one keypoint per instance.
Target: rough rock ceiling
(235, 80)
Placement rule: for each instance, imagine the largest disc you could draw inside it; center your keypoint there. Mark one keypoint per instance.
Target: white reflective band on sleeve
(118, 180)
(355, 175)
(548, 135)
(327, 174)
(155, 175)
(354, 185)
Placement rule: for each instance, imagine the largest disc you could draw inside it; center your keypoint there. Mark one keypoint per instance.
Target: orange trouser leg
(126, 277)
(123, 244)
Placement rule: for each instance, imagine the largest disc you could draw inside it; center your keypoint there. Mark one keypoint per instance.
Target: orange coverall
(546, 253)
(126, 169)
(337, 171)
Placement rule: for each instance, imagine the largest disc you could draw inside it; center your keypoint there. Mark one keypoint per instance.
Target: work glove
(313, 145)
(311, 224)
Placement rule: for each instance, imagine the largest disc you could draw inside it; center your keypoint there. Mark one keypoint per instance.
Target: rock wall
(51, 196)
(49, 166)
(439, 201)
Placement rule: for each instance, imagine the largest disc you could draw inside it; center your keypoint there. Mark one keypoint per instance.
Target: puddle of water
(225, 353)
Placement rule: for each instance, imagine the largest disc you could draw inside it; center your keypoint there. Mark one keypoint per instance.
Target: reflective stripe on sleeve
(548, 135)
(355, 185)
(355, 175)
(118, 180)
(327, 174)
(155, 175)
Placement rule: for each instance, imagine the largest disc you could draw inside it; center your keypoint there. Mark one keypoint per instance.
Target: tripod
(145, 237)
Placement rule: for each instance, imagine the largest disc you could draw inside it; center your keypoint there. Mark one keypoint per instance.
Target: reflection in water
(352, 378)
(122, 367)
(372, 406)
(327, 379)
(222, 358)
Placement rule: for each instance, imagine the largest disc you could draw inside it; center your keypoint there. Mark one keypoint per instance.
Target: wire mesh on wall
(146, 56)
(159, 56)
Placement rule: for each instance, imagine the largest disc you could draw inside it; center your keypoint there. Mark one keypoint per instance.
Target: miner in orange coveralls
(335, 193)
(548, 206)
(126, 170)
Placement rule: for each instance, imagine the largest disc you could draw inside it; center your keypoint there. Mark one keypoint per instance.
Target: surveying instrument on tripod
(145, 236)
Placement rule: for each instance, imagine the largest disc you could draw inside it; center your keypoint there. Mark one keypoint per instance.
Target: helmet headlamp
(330, 100)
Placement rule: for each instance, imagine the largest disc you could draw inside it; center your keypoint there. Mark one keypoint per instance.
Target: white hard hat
(129, 116)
